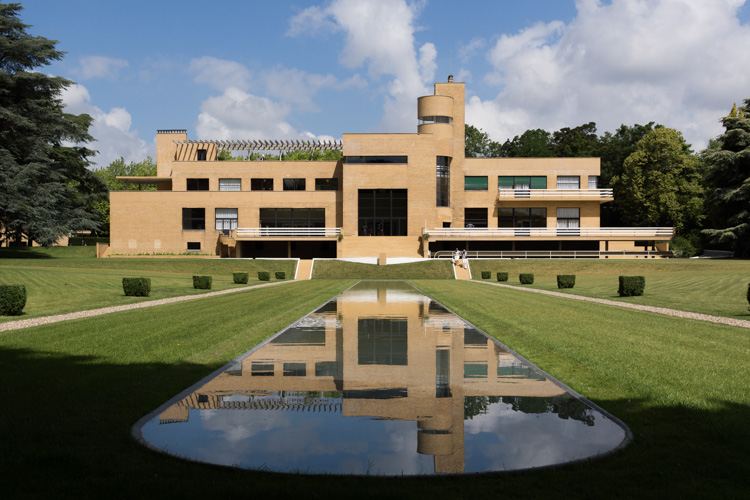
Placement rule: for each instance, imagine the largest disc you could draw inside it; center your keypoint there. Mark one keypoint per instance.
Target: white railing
(287, 232)
(554, 254)
(537, 194)
(552, 232)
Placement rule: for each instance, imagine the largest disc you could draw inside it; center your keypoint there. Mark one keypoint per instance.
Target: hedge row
(12, 299)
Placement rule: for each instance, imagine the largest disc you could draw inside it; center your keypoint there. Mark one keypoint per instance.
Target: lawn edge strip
(46, 320)
(638, 307)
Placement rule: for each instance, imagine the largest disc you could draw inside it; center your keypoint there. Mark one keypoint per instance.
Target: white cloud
(112, 132)
(100, 67)
(675, 62)
(379, 34)
(219, 73)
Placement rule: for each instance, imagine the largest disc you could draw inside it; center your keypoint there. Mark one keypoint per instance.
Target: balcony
(602, 195)
(246, 233)
(553, 233)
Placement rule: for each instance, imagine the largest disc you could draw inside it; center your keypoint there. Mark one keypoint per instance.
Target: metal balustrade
(553, 254)
(286, 232)
(541, 194)
(552, 232)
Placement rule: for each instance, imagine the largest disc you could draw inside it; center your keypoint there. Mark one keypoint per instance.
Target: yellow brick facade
(147, 222)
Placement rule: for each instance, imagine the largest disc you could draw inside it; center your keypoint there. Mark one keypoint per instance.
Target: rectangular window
(568, 182)
(593, 182)
(382, 341)
(568, 218)
(475, 217)
(261, 184)
(443, 181)
(194, 245)
(292, 217)
(331, 184)
(522, 182)
(521, 218)
(226, 219)
(197, 184)
(230, 184)
(475, 183)
(202, 155)
(294, 184)
(382, 212)
(376, 159)
(193, 218)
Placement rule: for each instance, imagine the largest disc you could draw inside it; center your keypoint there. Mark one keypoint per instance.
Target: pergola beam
(270, 145)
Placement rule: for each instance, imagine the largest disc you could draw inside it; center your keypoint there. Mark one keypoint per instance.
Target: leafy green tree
(479, 145)
(47, 189)
(536, 143)
(578, 142)
(728, 180)
(660, 184)
(109, 174)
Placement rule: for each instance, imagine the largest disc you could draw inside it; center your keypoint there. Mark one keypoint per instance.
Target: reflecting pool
(381, 380)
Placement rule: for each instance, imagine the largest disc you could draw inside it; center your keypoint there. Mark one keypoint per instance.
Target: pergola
(280, 145)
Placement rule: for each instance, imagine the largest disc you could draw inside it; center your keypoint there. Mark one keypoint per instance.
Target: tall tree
(47, 189)
(109, 174)
(660, 184)
(728, 180)
(479, 144)
(578, 142)
(536, 143)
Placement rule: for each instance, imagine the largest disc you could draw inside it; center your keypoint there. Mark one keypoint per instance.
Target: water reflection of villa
(403, 357)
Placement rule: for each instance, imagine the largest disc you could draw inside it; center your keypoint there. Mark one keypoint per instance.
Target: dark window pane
(331, 184)
(193, 218)
(197, 184)
(202, 155)
(376, 159)
(475, 183)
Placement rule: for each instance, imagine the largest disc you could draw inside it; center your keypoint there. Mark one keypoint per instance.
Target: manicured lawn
(66, 279)
(72, 391)
(716, 287)
(430, 269)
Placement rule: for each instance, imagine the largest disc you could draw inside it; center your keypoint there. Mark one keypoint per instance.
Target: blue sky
(239, 69)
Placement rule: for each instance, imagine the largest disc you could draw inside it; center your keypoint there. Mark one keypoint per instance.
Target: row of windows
(257, 184)
(226, 218)
(567, 217)
(479, 182)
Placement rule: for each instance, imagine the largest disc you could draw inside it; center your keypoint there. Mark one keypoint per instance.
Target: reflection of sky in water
(297, 431)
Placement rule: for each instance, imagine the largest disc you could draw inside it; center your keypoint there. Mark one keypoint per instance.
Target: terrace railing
(554, 194)
(644, 233)
(554, 254)
(287, 232)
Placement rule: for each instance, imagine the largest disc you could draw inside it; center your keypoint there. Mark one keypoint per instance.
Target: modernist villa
(390, 196)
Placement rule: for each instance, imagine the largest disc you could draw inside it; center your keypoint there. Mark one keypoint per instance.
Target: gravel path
(659, 310)
(45, 320)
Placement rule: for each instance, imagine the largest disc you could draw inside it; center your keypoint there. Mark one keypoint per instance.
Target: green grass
(72, 391)
(67, 279)
(705, 286)
(334, 269)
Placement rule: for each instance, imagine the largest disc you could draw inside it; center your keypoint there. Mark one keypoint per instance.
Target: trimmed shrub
(526, 278)
(502, 276)
(566, 280)
(280, 275)
(486, 275)
(202, 282)
(240, 278)
(136, 287)
(12, 299)
(264, 276)
(748, 295)
(631, 286)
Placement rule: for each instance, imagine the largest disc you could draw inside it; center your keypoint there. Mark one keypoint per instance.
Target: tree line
(48, 191)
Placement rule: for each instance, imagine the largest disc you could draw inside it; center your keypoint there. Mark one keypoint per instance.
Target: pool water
(381, 380)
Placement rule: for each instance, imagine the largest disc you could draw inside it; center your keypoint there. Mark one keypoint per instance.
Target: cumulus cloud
(220, 73)
(379, 35)
(627, 61)
(112, 130)
(100, 67)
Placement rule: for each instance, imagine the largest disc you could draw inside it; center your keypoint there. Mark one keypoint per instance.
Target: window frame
(265, 183)
(225, 179)
(294, 184)
(197, 184)
(193, 220)
(476, 179)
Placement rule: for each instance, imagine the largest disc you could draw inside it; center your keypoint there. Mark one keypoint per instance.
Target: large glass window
(226, 219)
(569, 219)
(382, 341)
(521, 218)
(475, 217)
(294, 184)
(194, 218)
(230, 184)
(568, 182)
(522, 182)
(593, 182)
(261, 184)
(436, 119)
(331, 184)
(292, 217)
(382, 212)
(376, 159)
(475, 183)
(443, 181)
(197, 184)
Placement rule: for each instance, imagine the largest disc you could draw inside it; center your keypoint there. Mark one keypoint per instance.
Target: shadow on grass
(23, 253)
(65, 427)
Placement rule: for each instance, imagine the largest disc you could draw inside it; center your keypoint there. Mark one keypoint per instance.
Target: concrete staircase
(304, 269)
(461, 273)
